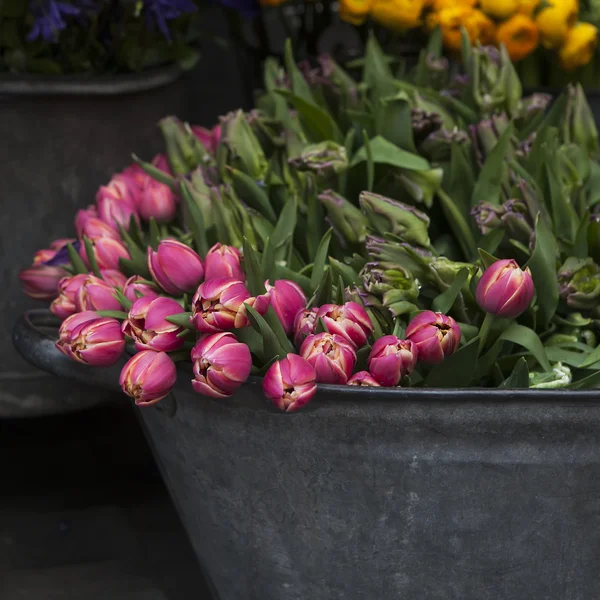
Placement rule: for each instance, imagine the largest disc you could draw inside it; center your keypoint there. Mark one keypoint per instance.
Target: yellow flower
(450, 21)
(528, 6)
(555, 21)
(354, 11)
(398, 14)
(520, 36)
(441, 4)
(499, 9)
(480, 28)
(579, 47)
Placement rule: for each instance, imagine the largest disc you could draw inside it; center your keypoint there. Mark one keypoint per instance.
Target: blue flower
(161, 11)
(48, 18)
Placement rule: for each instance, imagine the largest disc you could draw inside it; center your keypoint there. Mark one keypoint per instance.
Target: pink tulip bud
(350, 320)
(391, 359)
(505, 289)
(44, 255)
(157, 200)
(175, 267)
(40, 281)
(304, 325)
(332, 357)
(219, 305)
(117, 201)
(147, 324)
(287, 299)
(223, 261)
(82, 217)
(221, 365)
(90, 339)
(97, 294)
(65, 304)
(209, 138)
(60, 243)
(134, 288)
(363, 379)
(161, 161)
(107, 251)
(94, 229)
(148, 377)
(290, 383)
(135, 172)
(436, 336)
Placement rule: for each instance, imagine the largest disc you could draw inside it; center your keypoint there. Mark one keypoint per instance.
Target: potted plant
(364, 343)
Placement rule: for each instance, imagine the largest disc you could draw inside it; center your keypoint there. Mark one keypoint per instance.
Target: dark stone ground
(84, 514)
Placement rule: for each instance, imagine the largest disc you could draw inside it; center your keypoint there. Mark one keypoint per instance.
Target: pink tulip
(223, 261)
(363, 379)
(350, 320)
(147, 324)
(287, 299)
(134, 288)
(40, 281)
(175, 267)
(82, 217)
(219, 305)
(436, 336)
(221, 365)
(92, 340)
(148, 377)
(161, 161)
(332, 357)
(94, 228)
(65, 304)
(391, 359)
(97, 294)
(209, 138)
(117, 201)
(505, 289)
(59, 244)
(157, 201)
(107, 251)
(304, 325)
(290, 383)
(44, 255)
(137, 174)
(122, 187)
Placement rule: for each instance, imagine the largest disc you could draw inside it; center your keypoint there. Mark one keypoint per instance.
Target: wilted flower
(90, 339)
(350, 321)
(99, 294)
(221, 365)
(304, 325)
(332, 357)
(175, 267)
(290, 383)
(223, 261)
(135, 288)
(391, 359)
(579, 283)
(219, 305)
(148, 377)
(287, 300)
(363, 379)
(505, 290)
(147, 324)
(435, 335)
(65, 304)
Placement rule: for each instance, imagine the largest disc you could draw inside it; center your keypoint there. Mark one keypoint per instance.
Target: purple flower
(48, 18)
(161, 11)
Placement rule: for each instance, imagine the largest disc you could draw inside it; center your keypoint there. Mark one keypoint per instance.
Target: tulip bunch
(373, 234)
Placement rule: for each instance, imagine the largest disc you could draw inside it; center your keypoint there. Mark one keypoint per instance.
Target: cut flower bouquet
(372, 233)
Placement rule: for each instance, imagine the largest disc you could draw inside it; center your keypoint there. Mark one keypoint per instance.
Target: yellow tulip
(441, 4)
(579, 47)
(520, 36)
(399, 15)
(480, 28)
(527, 7)
(450, 21)
(555, 21)
(354, 11)
(499, 9)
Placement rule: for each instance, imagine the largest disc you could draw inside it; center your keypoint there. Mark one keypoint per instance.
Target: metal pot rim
(87, 85)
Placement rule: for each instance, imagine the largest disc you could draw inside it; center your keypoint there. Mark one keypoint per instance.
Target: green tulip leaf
(320, 261)
(444, 302)
(76, 260)
(457, 370)
(519, 378)
(254, 277)
(528, 339)
(271, 344)
(386, 153)
(193, 219)
(181, 320)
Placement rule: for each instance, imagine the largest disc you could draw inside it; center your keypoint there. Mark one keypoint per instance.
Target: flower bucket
(372, 492)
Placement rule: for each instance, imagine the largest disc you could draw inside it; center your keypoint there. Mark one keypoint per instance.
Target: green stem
(485, 330)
